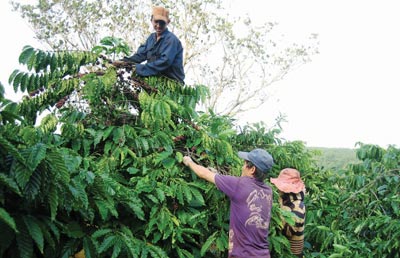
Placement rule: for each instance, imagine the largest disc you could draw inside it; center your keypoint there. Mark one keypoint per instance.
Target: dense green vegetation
(101, 170)
(334, 158)
(355, 212)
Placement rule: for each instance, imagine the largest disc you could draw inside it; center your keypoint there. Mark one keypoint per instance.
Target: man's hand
(199, 170)
(187, 160)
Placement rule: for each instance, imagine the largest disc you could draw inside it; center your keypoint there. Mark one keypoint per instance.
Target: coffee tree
(355, 212)
(91, 166)
(91, 162)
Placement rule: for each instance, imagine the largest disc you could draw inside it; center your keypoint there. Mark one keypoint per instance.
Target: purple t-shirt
(250, 214)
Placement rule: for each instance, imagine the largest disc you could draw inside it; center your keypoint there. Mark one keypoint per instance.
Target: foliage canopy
(101, 171)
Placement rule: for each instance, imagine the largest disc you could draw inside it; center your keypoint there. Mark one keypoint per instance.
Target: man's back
(250, 214)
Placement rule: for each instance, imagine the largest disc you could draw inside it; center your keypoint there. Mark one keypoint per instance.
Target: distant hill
(335, 158)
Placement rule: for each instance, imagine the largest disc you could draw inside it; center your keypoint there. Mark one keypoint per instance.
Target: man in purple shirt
(251, 203)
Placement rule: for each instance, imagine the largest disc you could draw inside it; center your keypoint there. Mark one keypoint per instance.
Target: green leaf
(102, 208)
(182, 253)
(35, 231)
(107, 147)
(208, 243)
(11, 149)
(187, 193)
(323, 228)
(137, 209)
(52, 227)
(160, 195)
(107, 132)
(26, 54)
(9, 183)
(108, 41)
(68, 249)
(40, 59)
(101, 232)
(17, 82)
(49, 240)
(119, 136)
(198, 197)
(107, 243)
(34, 83)
(53, 63)
(24, 82)
(98, 49)
(145, 143)
(49, 123)
(6, 218)
(29, 86)
(12, 76)
(30, 64)
(78, 192)
(179, 157)
(168, 163)
(341, 248)
(117, 248)
(47, 62)
(152, 198)
(161, 157)
(58, 161)
(22, 174)
(89, 247)
(53, 201)
(36, 154)
(179, 194)
(24, 241)
(32, 187)
(97, 138)
(132, 171)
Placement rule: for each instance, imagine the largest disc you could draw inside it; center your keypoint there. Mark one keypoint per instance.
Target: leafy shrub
(354, 212)
(102, 170)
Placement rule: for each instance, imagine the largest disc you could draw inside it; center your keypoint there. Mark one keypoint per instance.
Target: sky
(349, 93)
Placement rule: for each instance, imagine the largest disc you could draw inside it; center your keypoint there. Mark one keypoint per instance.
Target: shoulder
(151, 38)
(228, 184)
(170, 36)
(225, 179)
(239, 181)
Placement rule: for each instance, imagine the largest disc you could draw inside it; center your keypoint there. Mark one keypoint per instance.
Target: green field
(335, 158)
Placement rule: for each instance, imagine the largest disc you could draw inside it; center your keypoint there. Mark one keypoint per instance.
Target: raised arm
(199, 170)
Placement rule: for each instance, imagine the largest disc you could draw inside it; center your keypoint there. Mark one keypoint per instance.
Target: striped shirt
(294, 202)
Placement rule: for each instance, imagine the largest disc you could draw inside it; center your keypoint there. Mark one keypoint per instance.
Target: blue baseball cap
(259, 157)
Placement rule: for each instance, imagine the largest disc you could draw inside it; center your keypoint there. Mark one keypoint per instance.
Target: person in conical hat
(291, 198)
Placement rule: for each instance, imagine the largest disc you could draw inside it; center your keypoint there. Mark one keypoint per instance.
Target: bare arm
(200, 171)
